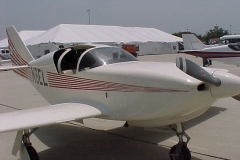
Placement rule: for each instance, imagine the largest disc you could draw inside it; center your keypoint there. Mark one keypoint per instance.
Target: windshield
(103, 56)
(222, 42)
(234, 46)
(110, 55)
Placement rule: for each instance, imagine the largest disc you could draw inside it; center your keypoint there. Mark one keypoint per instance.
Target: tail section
(20, 54)
(191, 42)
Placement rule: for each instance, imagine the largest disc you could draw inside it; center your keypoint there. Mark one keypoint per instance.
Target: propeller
(194, 70)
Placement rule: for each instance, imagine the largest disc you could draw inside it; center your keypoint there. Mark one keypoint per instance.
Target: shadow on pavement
(77, 142)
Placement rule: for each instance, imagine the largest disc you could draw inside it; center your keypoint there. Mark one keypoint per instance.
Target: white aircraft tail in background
(191, 42)
(229, 54)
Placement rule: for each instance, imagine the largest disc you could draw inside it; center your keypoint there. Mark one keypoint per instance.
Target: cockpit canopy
(81, 58)
(234, 46)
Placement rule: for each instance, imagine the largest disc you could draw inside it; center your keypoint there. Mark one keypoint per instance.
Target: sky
(170, 16)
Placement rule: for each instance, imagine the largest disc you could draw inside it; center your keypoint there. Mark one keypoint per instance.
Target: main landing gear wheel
(33, 155)
(180, 150)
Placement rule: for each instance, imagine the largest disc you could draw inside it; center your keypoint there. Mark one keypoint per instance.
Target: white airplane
(229, 54)
(109, 83)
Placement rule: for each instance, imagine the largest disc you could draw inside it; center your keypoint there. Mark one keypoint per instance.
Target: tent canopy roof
(24, 36)
(73, 33)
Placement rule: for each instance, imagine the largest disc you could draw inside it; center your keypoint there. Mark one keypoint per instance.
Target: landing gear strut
(28, 145)
(180, 150)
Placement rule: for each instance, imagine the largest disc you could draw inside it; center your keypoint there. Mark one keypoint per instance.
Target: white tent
(157, 48)
(77, 34)
(70, 33)
(24, 36)
(36, 50)
(149, 40)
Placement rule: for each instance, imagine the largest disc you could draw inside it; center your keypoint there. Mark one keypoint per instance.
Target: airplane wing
(7, 68)
(47, 115)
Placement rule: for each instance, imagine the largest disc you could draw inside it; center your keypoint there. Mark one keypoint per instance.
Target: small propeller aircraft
(229, 53)
(109, 83)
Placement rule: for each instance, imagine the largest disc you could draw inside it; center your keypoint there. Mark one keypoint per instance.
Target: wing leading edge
(47, 115)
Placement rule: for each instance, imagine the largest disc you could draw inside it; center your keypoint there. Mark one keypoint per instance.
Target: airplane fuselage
(147, 94)
(133, 91)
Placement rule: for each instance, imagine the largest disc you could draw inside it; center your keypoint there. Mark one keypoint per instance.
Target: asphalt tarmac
(214, 135)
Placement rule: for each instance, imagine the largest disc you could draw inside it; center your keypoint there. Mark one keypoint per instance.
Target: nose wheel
(180, 150)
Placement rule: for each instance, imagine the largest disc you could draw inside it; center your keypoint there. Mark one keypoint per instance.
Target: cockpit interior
(80, 58)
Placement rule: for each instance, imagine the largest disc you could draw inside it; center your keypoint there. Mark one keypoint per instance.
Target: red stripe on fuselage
(69, 82)
(213, 54)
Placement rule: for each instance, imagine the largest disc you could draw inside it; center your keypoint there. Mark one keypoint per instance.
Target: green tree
(179, 34)
(214, 33)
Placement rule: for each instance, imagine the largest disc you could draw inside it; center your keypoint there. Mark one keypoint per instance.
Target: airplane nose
(230, 85)
(223, 84)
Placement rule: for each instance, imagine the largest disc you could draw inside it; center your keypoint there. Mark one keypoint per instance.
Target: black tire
(32, 153)
(184, 155)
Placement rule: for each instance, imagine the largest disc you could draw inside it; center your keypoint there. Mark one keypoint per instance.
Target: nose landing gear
(180, 150)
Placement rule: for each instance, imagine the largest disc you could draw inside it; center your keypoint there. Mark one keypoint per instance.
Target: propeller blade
(194, 70)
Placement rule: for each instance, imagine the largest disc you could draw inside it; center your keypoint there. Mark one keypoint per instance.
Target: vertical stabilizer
(191, 42)
(20, 54)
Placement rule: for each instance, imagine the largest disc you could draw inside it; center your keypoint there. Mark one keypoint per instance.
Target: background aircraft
(4, 54)
(229, 53)
(109, 83)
